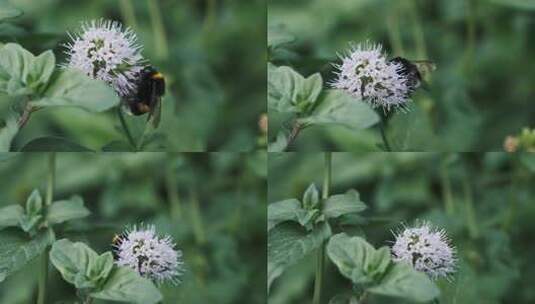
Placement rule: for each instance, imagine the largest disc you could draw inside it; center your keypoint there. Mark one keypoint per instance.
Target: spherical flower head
(427, 249)
(105, 51)
(153, 257)
(366, 74)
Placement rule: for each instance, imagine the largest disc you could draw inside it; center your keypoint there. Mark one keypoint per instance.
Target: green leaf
(357, 260)
(311, 197)
(403, 281)
(288, 91)
(34, 203)
(67, 210)
(126, 285)
(10, 216)
(53, 143)
(17, 249)
(117, 146)
(286, 210)
(8, 132)
(344, 299)
(80, 265)
(338, 108)
(288, 243)
(341, 204)
(40, 71)
(73, 88)
(8, 12)
(278, 36)
(21, 73)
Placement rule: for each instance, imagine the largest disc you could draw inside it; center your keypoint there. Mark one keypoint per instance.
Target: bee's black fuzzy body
(410, 71)
(149, 91)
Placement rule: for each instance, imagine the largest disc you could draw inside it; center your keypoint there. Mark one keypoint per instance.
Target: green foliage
(483, 201)
(373, 268)
(17, 249)
(215, 87)
(309, 104)
(213, 205)
(467, 104)
(125, 285)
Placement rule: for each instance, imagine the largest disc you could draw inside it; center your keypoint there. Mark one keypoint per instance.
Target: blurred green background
(482, 89)
(212, 204)
(486, 202)
(211, 52)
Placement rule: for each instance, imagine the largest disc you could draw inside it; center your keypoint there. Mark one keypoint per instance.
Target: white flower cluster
(366, 74)
(427, 249)
(106, 51)
(151, 256)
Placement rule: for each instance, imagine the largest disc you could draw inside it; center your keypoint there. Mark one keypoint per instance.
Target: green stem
(125, 128)
(471, 221)
(209, 17)
(515, 179)
(158, 30)
(418, 33)
(296, 129)
(172, 191)
(197, 223)
(382, 126)
(470, 35)
(128, 13)
(141, 140)
(447, 194)
(43, 275)
(394, 33)
(320, 263)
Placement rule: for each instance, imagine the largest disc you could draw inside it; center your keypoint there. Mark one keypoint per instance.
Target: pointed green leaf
(338, 108)
(341, 204)
(34, 203)
(403, 281)
(288, 243)
(286, 210)
(67, 210)
(311, 197)
(17, 249)
(10, 216)
(80, 265)
(126, 285)
(73, 88)
(357, 260)
(8, 12)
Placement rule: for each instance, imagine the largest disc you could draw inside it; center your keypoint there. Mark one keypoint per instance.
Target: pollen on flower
(427, 249)
(105, 50)
(153, 257)
(366, 74)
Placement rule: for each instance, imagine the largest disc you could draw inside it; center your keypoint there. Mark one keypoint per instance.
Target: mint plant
(27, 233)
(325, 224)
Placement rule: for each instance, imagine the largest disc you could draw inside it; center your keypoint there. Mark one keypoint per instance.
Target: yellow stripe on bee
(158, 75)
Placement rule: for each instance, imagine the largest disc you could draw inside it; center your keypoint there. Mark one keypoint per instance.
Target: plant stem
(172, 190)
(158, 29)
(394, 33)
(471, 221)
(141, 140)
(197, 223)
(470, 35)
(128, 13)
(43, 275)
(418, 33)
(320, 264)
(447, 194)
(125, 128)
(209, 16)
(363, 297)
(296, 129)
(382, 126)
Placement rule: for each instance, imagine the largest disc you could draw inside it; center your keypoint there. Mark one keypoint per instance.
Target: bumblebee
(146, 98)
(116, 242)
(415, 71)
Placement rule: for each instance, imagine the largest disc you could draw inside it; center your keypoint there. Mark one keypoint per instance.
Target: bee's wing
(425, 67)
(155, 107)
